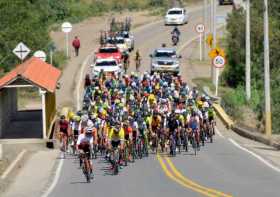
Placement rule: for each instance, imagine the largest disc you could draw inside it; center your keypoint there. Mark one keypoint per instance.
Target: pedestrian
(76, 44)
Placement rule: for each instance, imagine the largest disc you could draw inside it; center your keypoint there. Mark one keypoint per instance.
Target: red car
(110, 51)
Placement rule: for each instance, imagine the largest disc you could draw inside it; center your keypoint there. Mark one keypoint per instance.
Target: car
(107, 65)
(165, 60)
(129, 40)
(225, 2)
(176, 16)
(109, 51)
(119, 41)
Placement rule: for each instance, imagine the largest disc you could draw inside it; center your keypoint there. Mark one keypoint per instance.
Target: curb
(223, 116)
(256, 137)
(242, 131)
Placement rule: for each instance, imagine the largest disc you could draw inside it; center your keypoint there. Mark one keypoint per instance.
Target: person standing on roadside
(76, 44)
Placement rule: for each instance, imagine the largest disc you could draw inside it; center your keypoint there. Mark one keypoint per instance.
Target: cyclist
(137, 60)
(84, 145)
(63, 133)
(116, 137)
(125, 61)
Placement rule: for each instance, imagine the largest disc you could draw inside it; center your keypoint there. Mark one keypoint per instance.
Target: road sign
(210, 40)
(219, 61)
(200, 28)
(41, 54)
(66, 27)
(21, 51)
(216, 52)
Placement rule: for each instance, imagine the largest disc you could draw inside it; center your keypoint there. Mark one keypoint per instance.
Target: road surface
(219, 169)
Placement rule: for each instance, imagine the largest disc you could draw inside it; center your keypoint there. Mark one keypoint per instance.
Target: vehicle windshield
(108, 50)
(174, 12)
(120, 41)
(168, 54)
(106, 63)
(125, 35)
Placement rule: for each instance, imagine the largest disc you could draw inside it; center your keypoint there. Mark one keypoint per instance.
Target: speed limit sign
(200, 28)
(219, 61)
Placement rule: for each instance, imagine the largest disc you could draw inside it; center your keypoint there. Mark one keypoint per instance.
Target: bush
(59, 59)
(233, 101)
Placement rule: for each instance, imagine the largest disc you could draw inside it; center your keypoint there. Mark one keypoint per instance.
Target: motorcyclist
(175, 35)
(176, 31)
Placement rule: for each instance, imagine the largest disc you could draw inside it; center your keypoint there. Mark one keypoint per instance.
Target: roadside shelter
(28, 124)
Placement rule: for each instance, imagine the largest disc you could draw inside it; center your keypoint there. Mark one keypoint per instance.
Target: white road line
(80, 81)
(1, 152)
(54, 182)
(13, 164)
(255, 155)
(219, 133)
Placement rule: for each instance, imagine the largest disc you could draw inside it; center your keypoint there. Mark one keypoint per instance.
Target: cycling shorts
(115, 144)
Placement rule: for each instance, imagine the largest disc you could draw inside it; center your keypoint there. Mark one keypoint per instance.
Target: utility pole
(248, 52)
(267, 72)
(204, 23)
(214, 36)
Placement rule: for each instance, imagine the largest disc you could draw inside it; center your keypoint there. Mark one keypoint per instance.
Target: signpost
(200, 28)
(66, 27)
(21, 51)
(218, 62)
(41, 54)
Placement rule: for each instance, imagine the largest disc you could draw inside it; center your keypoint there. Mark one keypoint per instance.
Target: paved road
(220, 169)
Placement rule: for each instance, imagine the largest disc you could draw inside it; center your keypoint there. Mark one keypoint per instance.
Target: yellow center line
(190, 182)
(172, 177)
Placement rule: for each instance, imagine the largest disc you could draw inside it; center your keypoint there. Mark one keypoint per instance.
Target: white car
(129, 40)
(176, 16)
(108, 65)
(119, 42)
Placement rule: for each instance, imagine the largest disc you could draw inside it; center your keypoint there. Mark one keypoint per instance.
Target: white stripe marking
(1, 152)
(80, 81)
(13, 164)
(255, 155)
(219, 133)
(57, 175)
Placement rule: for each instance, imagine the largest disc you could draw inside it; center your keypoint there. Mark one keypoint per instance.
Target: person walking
(76, 44)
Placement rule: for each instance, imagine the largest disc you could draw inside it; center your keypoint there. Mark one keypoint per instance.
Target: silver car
(165, 60)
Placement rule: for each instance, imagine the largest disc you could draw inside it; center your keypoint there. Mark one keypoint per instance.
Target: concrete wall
(8, 108)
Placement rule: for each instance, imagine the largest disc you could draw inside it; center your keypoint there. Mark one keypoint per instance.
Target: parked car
(107, 65)
(226, 2)
(165, 60)
(176, 16)
(109, 51)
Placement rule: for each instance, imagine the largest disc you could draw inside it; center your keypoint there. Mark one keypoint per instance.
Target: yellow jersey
(116, 137)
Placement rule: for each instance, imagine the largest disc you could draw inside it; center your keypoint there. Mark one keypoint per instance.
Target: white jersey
(82, 137)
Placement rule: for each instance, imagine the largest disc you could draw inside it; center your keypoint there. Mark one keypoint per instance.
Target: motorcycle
(175, 39)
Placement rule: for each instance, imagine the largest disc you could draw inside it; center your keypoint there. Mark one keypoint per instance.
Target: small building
(28, 123)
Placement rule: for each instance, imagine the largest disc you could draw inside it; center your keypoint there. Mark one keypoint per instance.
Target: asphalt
(218, 167)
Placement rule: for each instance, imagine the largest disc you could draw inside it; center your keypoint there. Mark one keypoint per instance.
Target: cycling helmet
(84, 118)
(62, 117)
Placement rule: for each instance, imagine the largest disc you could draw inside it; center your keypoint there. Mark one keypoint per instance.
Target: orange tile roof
(35, 71)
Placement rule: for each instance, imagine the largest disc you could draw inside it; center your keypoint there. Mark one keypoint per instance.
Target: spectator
(76, 44)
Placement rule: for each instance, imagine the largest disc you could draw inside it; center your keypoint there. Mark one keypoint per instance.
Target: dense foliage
(234, 74)
(29, 21)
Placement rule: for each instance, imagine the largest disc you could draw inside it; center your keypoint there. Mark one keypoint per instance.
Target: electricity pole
(267, 72)
(248, 52)
(214, 36)
(205, 22)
